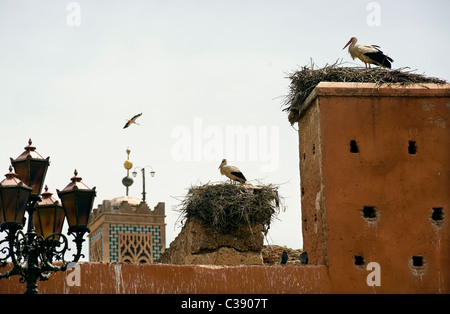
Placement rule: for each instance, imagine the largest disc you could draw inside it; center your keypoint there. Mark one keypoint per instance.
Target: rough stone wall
(198, 243)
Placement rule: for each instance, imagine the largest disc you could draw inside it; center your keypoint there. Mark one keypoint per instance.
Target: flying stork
(232, 172)
(369, 54)
(132, 120)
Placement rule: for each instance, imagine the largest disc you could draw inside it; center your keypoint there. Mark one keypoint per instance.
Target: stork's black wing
(379, 57)
(136, 116)
(239, 175)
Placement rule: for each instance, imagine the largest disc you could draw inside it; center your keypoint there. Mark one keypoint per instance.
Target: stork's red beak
(347, 44)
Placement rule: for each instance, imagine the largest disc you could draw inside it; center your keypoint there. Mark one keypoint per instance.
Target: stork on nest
(232, 172)
(369, 54)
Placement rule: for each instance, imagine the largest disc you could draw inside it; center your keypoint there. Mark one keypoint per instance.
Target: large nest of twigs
(225, 207)
(304, 81)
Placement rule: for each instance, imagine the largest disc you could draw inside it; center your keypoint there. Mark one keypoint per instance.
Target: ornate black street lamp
(33, 253)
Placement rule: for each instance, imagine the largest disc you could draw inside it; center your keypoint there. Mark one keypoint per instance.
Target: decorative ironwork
(31, 254)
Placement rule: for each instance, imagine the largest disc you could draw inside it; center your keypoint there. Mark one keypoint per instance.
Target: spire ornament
(128, 164)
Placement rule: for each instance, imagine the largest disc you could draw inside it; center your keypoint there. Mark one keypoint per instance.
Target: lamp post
(152, 173)
(32, 253)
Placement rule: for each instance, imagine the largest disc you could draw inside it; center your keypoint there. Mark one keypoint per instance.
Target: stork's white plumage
(369, 54)
(232, 172)
(132, 120)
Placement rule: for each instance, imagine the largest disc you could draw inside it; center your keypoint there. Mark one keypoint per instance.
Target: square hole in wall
(358, 260)
(418, 265)
(370, 213)
(412, 147)
(437, 214)
(354, 147)
(417, 260)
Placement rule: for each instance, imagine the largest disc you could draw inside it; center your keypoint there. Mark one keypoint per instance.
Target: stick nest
(304, 81)
(226, 207)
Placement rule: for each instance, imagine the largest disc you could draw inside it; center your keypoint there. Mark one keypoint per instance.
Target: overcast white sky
(198, 70)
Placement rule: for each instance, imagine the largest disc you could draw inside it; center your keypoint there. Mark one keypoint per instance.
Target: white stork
(132, 120)
(369, 54)
(232, 172)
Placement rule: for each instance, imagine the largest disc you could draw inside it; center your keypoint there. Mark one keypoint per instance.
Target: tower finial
(127, 181)
(128, 164)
